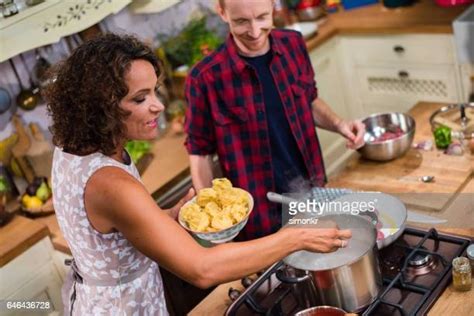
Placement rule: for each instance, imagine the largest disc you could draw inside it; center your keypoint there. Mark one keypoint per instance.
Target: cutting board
(32, 152)
(401, 176)
(40, 153)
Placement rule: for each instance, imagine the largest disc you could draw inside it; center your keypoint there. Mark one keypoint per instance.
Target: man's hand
(353, 131)
(174, 211)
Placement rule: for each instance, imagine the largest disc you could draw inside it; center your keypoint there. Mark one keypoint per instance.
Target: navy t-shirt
(288, 164)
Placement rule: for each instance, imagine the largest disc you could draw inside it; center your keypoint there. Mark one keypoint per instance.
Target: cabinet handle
(403, 74)
(398, 49)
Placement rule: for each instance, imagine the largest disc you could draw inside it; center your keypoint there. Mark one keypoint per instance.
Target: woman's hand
(323, 236)
(326, 239)
(174, 211)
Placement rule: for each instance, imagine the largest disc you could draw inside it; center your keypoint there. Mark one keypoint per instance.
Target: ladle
(26, 99)
(41, 67)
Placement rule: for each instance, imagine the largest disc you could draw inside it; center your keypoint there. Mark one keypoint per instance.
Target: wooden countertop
(18, 235)
(422, 17)
(450, 302)
(459, 213)
(401, 176)
(170, 160)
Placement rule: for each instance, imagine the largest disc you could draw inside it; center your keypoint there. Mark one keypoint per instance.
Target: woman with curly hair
(103, 96)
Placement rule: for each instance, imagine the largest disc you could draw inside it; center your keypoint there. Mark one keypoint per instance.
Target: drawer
(397, 89)
(401, 49)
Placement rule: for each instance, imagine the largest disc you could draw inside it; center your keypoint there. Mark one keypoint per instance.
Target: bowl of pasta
(217, 214)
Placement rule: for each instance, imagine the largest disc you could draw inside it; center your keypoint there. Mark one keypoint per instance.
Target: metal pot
(348, 278)
(322, 311)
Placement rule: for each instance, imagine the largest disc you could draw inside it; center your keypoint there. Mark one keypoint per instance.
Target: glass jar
(470, 255)
(462, 274)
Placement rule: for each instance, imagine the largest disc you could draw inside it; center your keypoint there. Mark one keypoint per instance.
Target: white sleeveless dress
(116, 279)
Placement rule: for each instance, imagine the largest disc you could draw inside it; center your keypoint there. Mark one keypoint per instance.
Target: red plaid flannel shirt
(227, 115)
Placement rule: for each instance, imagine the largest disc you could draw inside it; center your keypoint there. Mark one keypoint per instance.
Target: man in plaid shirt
(254, 102)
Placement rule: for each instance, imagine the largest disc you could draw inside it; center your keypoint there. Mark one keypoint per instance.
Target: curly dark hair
(84, 98)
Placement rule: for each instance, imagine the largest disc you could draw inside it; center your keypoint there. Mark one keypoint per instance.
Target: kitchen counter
(170, 161)
(422, 17)
(18, 235)
(450, 302)
(459, 212)
(453, 174)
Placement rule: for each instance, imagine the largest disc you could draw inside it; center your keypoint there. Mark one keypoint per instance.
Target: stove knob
(234, 294)
(246, 282)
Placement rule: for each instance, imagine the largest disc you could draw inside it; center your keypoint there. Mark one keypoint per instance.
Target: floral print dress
(116, 279)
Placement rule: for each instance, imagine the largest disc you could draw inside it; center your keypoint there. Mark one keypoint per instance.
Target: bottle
(462, 274)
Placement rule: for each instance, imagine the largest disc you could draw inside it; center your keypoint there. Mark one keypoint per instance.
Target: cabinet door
(434, 49)
(397, 88)
(325, 61)
(44, 287)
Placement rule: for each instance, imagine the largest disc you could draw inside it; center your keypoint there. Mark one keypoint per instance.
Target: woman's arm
(118, 199)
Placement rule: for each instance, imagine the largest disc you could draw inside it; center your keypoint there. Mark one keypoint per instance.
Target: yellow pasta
(216, 208)
(221, 184)
(212, 209)
(222, 221)
(205, 196)
(233, 196)
(199, 222)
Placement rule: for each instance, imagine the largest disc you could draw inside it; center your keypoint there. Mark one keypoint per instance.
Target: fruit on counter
(43, 192)
(31, 202)
(442, 137)
(37, 193)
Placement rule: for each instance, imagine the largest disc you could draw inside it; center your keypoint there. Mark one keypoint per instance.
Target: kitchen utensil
(322, 311)
(5, 100)
(390, 213)
(377, 125)
(427, 179)
(41, 67)
(422, 218)
(221, 236)
(40, 153)
(348, 278)
(33, 87)
(458, 117)
(26, 99)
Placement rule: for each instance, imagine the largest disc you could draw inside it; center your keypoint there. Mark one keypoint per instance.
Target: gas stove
(416, 269)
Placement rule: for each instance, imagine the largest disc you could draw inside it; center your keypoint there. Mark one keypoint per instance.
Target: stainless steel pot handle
(291, 280)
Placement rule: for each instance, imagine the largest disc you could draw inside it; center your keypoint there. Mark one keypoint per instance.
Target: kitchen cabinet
(392, 72)
(33, 276)
(50, 20)
(326, 63)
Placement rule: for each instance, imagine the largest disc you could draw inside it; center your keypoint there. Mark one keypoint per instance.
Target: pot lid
(363, 239)
(458, 117)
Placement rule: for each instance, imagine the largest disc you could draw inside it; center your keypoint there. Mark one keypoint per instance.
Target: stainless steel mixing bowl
(376, 125)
